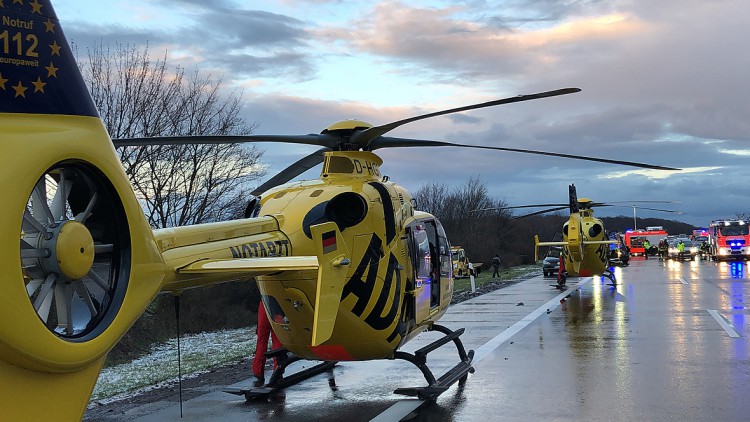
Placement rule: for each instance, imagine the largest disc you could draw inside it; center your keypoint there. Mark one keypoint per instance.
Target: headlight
(723, 251)
(693, 249)
(672, 250)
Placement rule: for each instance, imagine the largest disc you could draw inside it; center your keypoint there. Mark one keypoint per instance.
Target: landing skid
(611, 276)
(435, 387)
(279, 382)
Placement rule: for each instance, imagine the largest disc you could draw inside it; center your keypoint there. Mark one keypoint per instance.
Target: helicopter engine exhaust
(346, 210)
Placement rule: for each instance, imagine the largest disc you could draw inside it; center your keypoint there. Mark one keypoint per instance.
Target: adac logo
(37, 71)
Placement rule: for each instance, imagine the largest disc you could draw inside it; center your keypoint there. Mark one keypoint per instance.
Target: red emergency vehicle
(634, 239)
(729, 239)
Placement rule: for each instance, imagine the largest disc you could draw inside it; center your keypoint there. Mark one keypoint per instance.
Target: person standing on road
(680, 249)
(263, 331)
(663, 249)
(646, 247)
(496, 266)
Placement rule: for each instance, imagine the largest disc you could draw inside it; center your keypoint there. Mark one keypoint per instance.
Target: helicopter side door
(430, 254)
(419, 252)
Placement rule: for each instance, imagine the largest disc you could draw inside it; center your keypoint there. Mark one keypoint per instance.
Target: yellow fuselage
(383, 303)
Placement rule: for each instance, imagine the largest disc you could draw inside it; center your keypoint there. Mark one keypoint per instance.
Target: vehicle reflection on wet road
(649, 349)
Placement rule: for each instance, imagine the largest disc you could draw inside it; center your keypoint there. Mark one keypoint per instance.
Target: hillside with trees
(485, 227)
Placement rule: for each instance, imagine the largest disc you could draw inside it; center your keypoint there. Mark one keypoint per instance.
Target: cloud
(741, 152)
(463, 118)
(218, 36)
(662, 84)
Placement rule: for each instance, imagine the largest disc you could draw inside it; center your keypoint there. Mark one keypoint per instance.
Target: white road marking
(403, 408)
(724, 324)
(514, 329)
(399, 410)
(683, 281)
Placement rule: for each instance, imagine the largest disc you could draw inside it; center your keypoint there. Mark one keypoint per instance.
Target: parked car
(551, 263)
(690, 252)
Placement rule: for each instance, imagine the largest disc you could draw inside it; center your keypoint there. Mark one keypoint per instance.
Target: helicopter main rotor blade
(391, 142)
(599, 204)
(592, 204)
(516, 207)
(292, 171)
(365, 138)
(642, 208)
(658, 209)
(323, 140)
(565, 207)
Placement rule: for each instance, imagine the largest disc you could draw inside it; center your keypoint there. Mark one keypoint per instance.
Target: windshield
(653, 240)
(734, 230)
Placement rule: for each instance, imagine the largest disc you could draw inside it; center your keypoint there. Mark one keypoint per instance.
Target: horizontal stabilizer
(599, 242)
(552, 243)
(252, 266)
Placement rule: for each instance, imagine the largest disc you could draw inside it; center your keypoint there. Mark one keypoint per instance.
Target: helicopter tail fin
(86, 265)
(573, 199)
(334, 263)
(39, 74)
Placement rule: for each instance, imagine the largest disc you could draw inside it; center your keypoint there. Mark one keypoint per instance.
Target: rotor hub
(72, 250)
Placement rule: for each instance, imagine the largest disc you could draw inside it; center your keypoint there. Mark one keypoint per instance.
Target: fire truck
(729, 239)
(634, 239)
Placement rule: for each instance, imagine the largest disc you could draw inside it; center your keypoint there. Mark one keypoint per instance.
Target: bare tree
(468, 217)
(431, 198)
(176, 184)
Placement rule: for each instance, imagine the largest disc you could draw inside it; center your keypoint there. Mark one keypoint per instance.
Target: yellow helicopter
(586, 243)
(348, 269)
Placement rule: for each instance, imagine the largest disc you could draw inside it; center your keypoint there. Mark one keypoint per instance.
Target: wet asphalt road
(668, 343)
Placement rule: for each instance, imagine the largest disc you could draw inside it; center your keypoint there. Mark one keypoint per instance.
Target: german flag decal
(329, 242)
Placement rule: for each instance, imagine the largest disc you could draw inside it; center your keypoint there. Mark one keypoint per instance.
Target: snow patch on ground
(200, 352)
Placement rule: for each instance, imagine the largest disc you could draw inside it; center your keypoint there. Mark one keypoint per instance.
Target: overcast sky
(663, 82)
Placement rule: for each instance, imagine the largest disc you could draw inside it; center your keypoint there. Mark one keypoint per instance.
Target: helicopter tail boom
(225, 251)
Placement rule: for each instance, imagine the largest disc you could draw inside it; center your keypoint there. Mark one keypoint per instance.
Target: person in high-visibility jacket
(680, 249)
